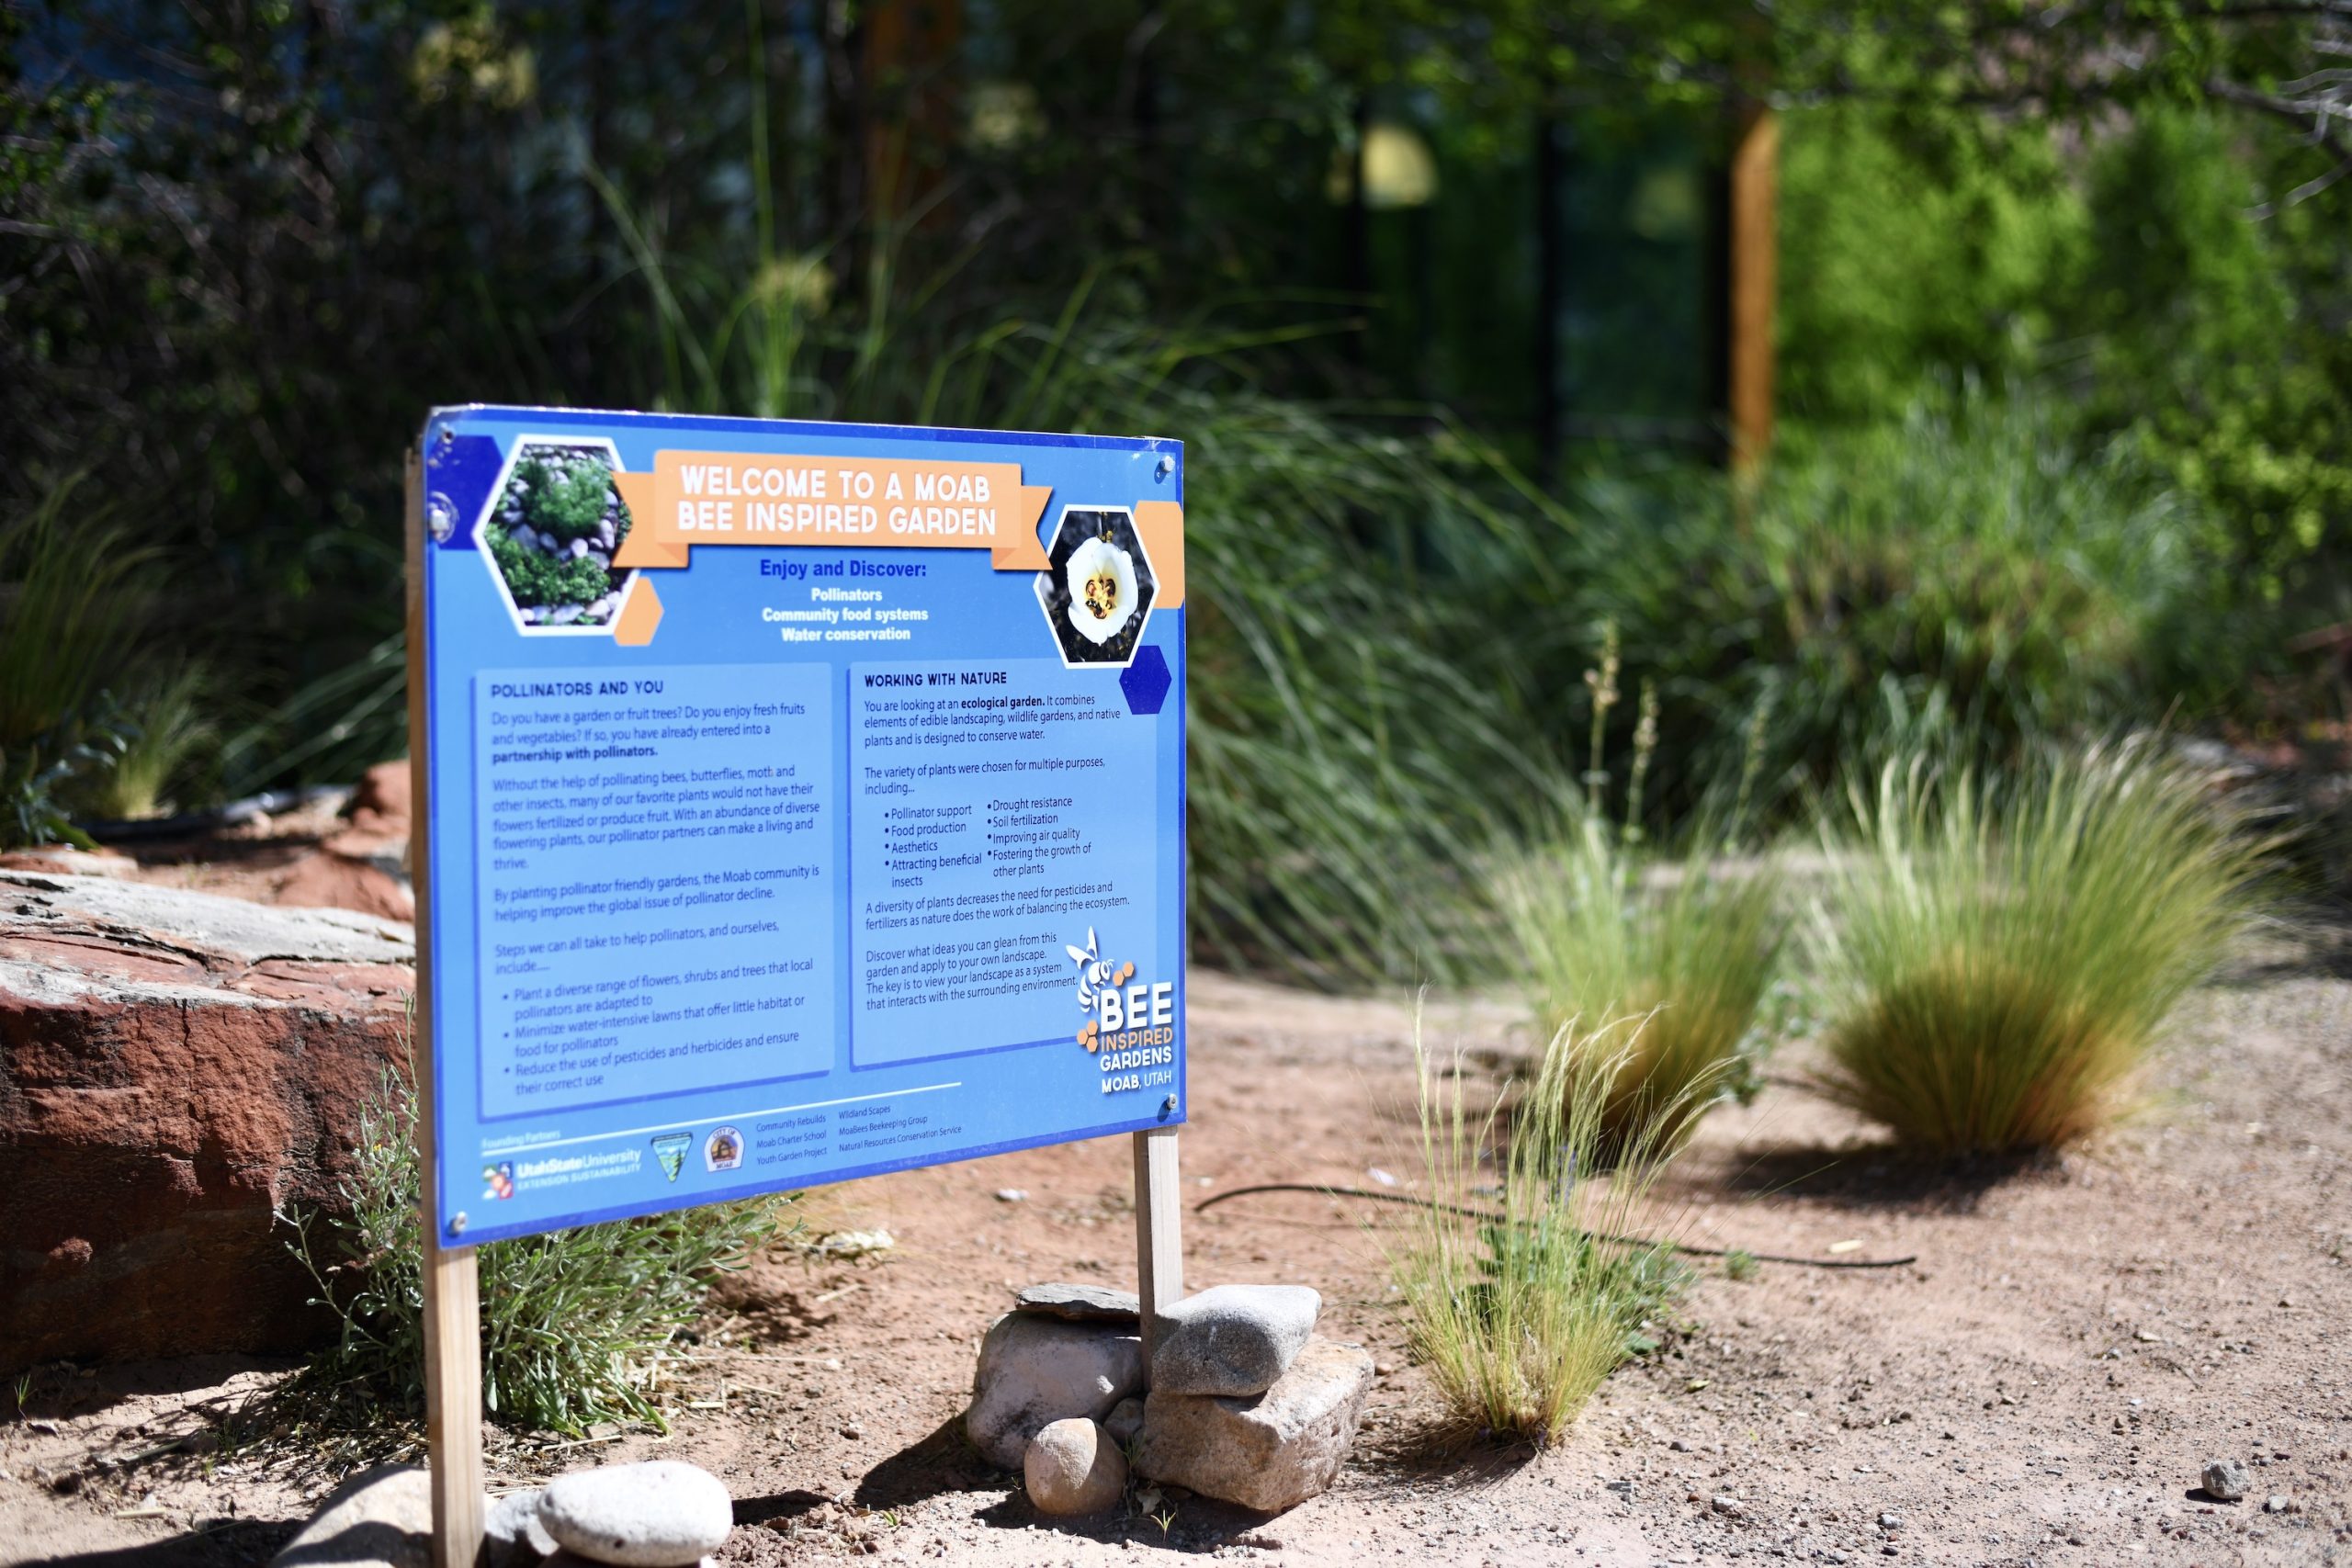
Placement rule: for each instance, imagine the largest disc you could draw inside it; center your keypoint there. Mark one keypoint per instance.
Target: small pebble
(1727, 1505)
(1890, 1521)
(2275, 1504)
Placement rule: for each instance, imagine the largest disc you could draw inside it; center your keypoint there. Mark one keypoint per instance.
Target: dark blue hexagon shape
(459, 471)
(1146, 682)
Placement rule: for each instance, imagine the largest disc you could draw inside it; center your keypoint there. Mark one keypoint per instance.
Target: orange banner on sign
(732, 498)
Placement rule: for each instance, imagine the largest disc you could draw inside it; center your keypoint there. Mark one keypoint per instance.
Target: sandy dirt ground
(2076, 1338)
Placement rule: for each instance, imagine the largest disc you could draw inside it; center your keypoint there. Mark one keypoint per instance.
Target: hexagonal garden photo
(552, 534)
(1097, 594)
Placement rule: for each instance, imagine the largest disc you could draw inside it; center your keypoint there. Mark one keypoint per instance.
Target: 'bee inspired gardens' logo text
(1131, 1024)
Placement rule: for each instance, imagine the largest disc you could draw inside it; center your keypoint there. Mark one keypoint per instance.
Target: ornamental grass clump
(1523, 1289)
(1680, 967)
(2000, 956)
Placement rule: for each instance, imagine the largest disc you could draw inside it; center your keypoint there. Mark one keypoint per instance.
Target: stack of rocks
(657, 1515)
(1245, 1403)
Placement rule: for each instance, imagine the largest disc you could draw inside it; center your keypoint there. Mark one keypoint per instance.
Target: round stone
(2225, 1479)
(660, 1513)
(1072, 1467)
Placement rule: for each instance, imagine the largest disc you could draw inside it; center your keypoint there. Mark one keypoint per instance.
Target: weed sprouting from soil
(575, 1323)
(1520, 1307)
(2000, 957)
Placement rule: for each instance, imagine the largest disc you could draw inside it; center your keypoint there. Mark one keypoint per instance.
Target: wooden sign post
(792, 803)
(1159, 1238)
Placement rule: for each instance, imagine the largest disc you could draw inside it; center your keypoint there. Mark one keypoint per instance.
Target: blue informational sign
(804, 802)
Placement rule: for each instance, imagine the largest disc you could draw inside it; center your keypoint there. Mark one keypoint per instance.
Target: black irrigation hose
(1492, 1218)
(267, 803)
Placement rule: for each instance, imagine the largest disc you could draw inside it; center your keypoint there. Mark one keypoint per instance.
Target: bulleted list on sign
(999, 813)
(656, 882)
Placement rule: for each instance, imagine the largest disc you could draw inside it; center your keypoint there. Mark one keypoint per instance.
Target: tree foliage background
(246, 243)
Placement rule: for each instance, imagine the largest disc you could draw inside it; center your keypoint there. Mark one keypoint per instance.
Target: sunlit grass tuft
(1680, 964)
(1521, 1301)
(2001, 957)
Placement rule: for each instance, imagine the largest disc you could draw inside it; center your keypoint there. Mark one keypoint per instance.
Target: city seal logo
(670, 1148)
(724, 1150)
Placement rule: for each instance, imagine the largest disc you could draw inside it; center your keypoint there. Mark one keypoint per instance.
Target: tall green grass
(574, 1323)
(74, 593)
(1677, 964)
(1359, 733)
(2000, 955)
(1520, 1299)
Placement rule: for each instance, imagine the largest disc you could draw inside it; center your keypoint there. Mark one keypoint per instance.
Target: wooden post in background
(1160, 1231)
(1754, 282)
(452, 1291)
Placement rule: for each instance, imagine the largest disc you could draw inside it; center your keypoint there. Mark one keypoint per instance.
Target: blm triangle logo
(670, 1148)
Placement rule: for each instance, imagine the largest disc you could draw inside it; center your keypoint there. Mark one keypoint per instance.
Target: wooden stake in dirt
(452, 1289)
(1159, 1241)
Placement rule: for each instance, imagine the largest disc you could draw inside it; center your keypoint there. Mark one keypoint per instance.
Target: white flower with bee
(1101, 582)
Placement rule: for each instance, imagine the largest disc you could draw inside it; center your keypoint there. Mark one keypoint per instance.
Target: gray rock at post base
(1036, 1369)
(2225, 1479)
(517, 1539)
(1271, 1451)
(656, 1514)
(1124, 1421)
(379, 1518)
(1234, 1339)
(1081, 1304)
(1072, 1467)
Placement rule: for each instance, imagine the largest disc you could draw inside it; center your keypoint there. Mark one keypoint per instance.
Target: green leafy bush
(572, 1322)
(1520, 1295)
(534, 578)
(564, 494)
(2001, 956)
(1965, 574)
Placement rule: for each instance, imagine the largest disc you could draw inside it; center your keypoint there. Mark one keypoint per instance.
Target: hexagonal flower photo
(552, 534)
(1098, 592)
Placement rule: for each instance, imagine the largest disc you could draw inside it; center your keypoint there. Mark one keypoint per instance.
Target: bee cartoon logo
(1096, 976)
(498, 1181)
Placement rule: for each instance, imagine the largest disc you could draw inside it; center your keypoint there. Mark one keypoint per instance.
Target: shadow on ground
(239, 1545)
(1871, 1176)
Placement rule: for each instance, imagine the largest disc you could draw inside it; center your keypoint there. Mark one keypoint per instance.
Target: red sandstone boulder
(175, 1068)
